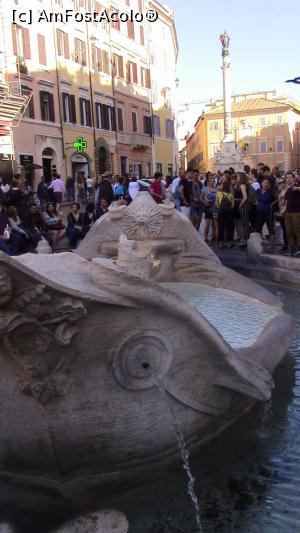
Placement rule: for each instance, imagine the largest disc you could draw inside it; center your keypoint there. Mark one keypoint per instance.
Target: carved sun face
(142, 219)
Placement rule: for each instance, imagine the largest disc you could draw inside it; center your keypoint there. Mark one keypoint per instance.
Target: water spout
(184, 453)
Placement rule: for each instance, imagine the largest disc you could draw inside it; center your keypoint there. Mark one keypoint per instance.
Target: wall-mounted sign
(26, 160)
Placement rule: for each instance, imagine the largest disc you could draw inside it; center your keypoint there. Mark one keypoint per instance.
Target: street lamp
(177, 82)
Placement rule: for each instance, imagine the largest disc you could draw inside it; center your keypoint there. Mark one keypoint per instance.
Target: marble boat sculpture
(86, 337)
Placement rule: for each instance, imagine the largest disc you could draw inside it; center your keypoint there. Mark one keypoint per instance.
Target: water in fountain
(184, 453)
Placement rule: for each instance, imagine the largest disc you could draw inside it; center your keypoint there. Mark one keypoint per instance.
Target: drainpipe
(59, 101)
(91, 91)
(114, 99)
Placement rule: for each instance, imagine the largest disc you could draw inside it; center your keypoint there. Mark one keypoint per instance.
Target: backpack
(225, 204)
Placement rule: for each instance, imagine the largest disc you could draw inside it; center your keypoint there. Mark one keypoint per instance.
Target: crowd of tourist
(231, 205)
(236, 204)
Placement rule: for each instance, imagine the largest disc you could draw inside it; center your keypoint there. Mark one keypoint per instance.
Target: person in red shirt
(157, 189)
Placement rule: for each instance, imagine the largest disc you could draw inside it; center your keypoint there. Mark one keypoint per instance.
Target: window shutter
(120, 67)
(120, 119)
(135, 75)
(65, 103)
(51, 107)
(58, 41)
(66, 46)
(81, 111)
(42, 49)
(97, 108)
(83, 49)
(130, 29)
(128, 78)
(142, 35)
(31, 108)
(113, 63)
(88, 113)
(26, 43)
(99, 59)
(42, 96)
(97, 8)
(140, 4)
(102, 115)
(134, 123)
(148, 79)
(14, 39)
(113, 118)
(94, 57)
(73, 108)
(105, 62)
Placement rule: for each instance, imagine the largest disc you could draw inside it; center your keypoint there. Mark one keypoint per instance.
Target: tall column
(226, 86)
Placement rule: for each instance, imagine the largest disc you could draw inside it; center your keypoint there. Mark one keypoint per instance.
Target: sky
(264, 45)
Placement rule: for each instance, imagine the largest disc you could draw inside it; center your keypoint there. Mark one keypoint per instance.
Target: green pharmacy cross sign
(79, 144)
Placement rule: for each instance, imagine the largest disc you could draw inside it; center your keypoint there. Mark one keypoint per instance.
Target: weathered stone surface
(171, 241)
(84, 342)
(106, 521)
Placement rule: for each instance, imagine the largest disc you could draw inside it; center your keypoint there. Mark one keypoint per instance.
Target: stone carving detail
(34, 326)
(142, 219)
(142, 359)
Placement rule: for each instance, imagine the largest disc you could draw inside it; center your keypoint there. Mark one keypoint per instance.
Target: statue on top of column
(225, 40)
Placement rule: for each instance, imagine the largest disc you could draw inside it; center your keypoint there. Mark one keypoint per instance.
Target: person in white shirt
(133, 188)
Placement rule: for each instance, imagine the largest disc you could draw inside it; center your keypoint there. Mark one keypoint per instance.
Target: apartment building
(266, 128)
(89, 80)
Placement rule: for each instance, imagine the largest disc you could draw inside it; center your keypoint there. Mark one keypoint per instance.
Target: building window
(29, 113)
(21, 41)
(105, 62)
(142, 35)
(262, 147)
(80, 52)
(69, 108)
(85, 112)
(130, 29)
(118, 66)
(170, 170)
(280, 119)
(279, 145)
(42, 49)
(170, 133)
(214, 147)
(214, 126)
(131, 72)
(262, 121)
(63, 49)
(105, 117)
(159, 167)
(47, 106)
(115, 21)
(97, 59)
(145, 78)
(120, 119)
(156, 125)
(147, 125)
(134, 121)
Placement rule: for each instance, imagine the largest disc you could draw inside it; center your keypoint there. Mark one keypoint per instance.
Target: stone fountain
(85, 336)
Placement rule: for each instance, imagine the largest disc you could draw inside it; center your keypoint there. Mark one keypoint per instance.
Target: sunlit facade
(91, 80)
(265, 127)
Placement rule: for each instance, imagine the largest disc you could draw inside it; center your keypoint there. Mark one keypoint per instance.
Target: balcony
(141, 141)
(124, 138)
